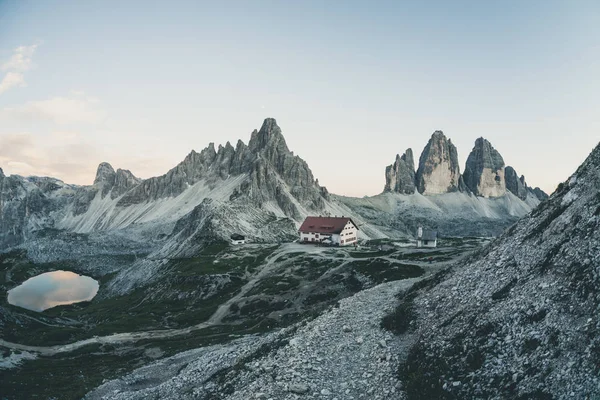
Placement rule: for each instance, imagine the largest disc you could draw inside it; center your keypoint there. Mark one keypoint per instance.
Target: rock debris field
(342, 354)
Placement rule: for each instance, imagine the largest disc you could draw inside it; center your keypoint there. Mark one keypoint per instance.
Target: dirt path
(216, 318)
(128, 337)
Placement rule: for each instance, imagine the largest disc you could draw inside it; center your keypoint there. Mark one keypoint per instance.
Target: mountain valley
(176, 295)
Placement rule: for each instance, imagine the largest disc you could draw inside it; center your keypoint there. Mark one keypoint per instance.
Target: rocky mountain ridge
(439, 173)
(263, 174)
(263, 180)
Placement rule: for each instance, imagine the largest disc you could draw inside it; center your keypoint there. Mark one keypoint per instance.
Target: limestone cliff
(484, 170)
(438, 170)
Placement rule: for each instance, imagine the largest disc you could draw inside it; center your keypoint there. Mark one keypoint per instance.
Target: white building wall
(349, 235)
(430, 243)
(312, 237)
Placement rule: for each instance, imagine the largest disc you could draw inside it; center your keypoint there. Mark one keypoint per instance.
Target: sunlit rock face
(484, 170)
(53, 289)
(400, 176)
(438, 166)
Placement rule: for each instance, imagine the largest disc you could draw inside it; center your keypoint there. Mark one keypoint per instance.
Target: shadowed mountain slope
(519, 319)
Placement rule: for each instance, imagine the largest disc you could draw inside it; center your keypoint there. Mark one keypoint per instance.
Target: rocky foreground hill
(520, 319)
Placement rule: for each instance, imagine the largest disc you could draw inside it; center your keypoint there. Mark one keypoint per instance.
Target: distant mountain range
(438, 172)
(261, 190)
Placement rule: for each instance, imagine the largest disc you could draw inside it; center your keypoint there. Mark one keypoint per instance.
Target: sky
(139, 84)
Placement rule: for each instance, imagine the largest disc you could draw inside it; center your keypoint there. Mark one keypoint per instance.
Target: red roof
(325, 224)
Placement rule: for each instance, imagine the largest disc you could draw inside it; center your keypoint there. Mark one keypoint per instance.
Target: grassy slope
(301, 285)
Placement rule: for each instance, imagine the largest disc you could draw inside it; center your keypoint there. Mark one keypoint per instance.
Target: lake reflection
(53, 289)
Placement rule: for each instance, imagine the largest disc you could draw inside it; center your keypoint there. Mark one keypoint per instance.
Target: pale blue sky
(350, 83)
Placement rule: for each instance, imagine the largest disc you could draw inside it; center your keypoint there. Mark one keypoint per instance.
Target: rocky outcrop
(400, 176)
(192, 169)
(438, 170)
(519, 319)
(514, 184)
(12, 210)
(484, 170)
(25, 206)
(124, 180)
(276, 171)
(539, 193)
(519, 188)
(105, 175)
(116, 182)
(439, 173)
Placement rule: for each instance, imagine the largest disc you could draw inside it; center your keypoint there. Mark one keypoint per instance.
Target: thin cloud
(60, 155)
(69, 156)
(10, 80)
(18, 63)
(73, 155)
(63, 110)
(21, 60)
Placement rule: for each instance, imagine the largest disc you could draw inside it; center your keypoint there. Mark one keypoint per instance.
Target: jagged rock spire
(117, 182)
(514, 184)
(400, 176)
(269, 136)
(273, 173)
(105, 174)
(484, 170)
(438, 171)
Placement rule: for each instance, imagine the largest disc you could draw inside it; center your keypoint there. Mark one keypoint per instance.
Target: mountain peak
(105, 174)
(400, 176)
(270, 124)
(514, 184)
(269, 135)
(438, 170)
(484, 170)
